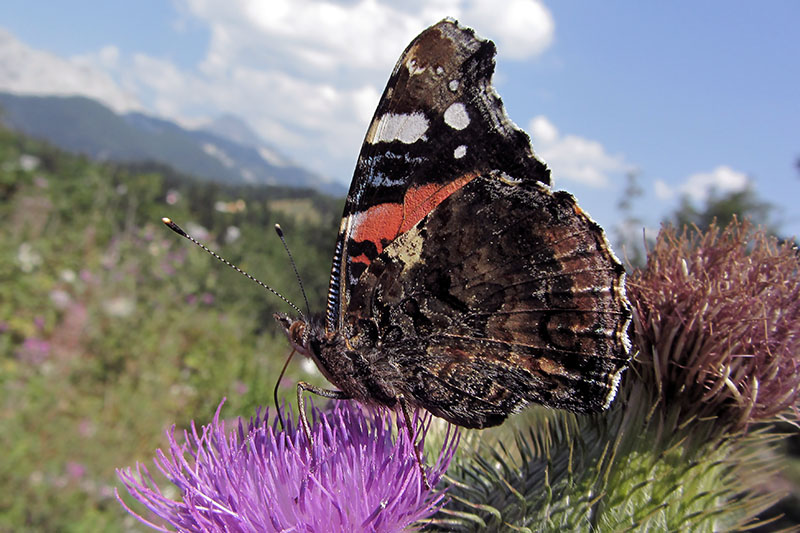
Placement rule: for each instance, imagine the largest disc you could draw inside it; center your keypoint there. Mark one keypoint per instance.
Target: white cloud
(573, 157)
(699, 185)
(663, 190)
(321, 36)
(722, 179)
(25, 70)
(310, 36)
(306, 74)
(522, 28)
(542, 130)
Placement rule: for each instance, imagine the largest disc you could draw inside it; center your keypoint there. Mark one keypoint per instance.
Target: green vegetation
(112, 328)
(723, 207)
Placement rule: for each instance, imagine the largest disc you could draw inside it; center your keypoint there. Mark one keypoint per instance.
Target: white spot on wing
(453, 85)
(406, 128)
(460, 151)
(412, 67)
(456, 116)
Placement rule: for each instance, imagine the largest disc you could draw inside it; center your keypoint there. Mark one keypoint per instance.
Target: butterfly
(461, 283)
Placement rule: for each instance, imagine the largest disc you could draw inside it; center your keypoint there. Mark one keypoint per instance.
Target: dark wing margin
(523, 303)
(438, 124)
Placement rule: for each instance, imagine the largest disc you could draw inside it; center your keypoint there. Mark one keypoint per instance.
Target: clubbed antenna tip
(174, 227)
(177, 229)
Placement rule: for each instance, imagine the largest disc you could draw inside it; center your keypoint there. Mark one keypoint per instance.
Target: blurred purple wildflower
(259, 478)
(87, 428)
(177, 258)
(240, 387)
(168, 269)
(86, 276)
(75, 470)
(173, 197)
(717, 319)
(34, 351)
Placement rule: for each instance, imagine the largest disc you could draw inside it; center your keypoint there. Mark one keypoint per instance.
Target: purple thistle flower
(259, 478)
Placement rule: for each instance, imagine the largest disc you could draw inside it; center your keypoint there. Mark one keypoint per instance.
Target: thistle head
(717, 318)
(360, 475)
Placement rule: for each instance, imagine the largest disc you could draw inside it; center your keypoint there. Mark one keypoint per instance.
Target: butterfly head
(306, 335)
(296, 330)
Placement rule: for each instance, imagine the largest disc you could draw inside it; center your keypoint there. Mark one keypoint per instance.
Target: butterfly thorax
(348, 369)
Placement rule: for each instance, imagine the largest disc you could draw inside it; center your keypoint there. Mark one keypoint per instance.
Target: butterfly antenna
(278, 384)
(177, 229)
(279, 231)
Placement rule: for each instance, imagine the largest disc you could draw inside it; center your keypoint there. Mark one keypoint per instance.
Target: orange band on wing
(420, 201)
(377, 224)
(384, 222)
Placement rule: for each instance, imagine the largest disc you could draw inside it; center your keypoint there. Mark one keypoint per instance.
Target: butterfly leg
(301, 404)
(412, 437)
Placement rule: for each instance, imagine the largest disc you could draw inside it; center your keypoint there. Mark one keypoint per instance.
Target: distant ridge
(225, 150)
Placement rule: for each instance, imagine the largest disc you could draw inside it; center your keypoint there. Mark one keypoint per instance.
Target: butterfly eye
(297, 331)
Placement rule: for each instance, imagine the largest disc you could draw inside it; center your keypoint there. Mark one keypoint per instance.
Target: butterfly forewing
(438, 125)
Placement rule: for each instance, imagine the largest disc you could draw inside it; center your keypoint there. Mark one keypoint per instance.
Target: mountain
(225, 150)
(234, 129)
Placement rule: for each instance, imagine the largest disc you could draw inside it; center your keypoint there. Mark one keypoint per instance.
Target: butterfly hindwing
(439, 124)
(522, 303)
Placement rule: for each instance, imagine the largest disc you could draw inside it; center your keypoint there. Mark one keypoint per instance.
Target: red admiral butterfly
(461, 283)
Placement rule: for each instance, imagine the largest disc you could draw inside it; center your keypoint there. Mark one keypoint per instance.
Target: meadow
(113, 328)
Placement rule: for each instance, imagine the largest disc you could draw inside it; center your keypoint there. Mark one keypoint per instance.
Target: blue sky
(691, 94)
